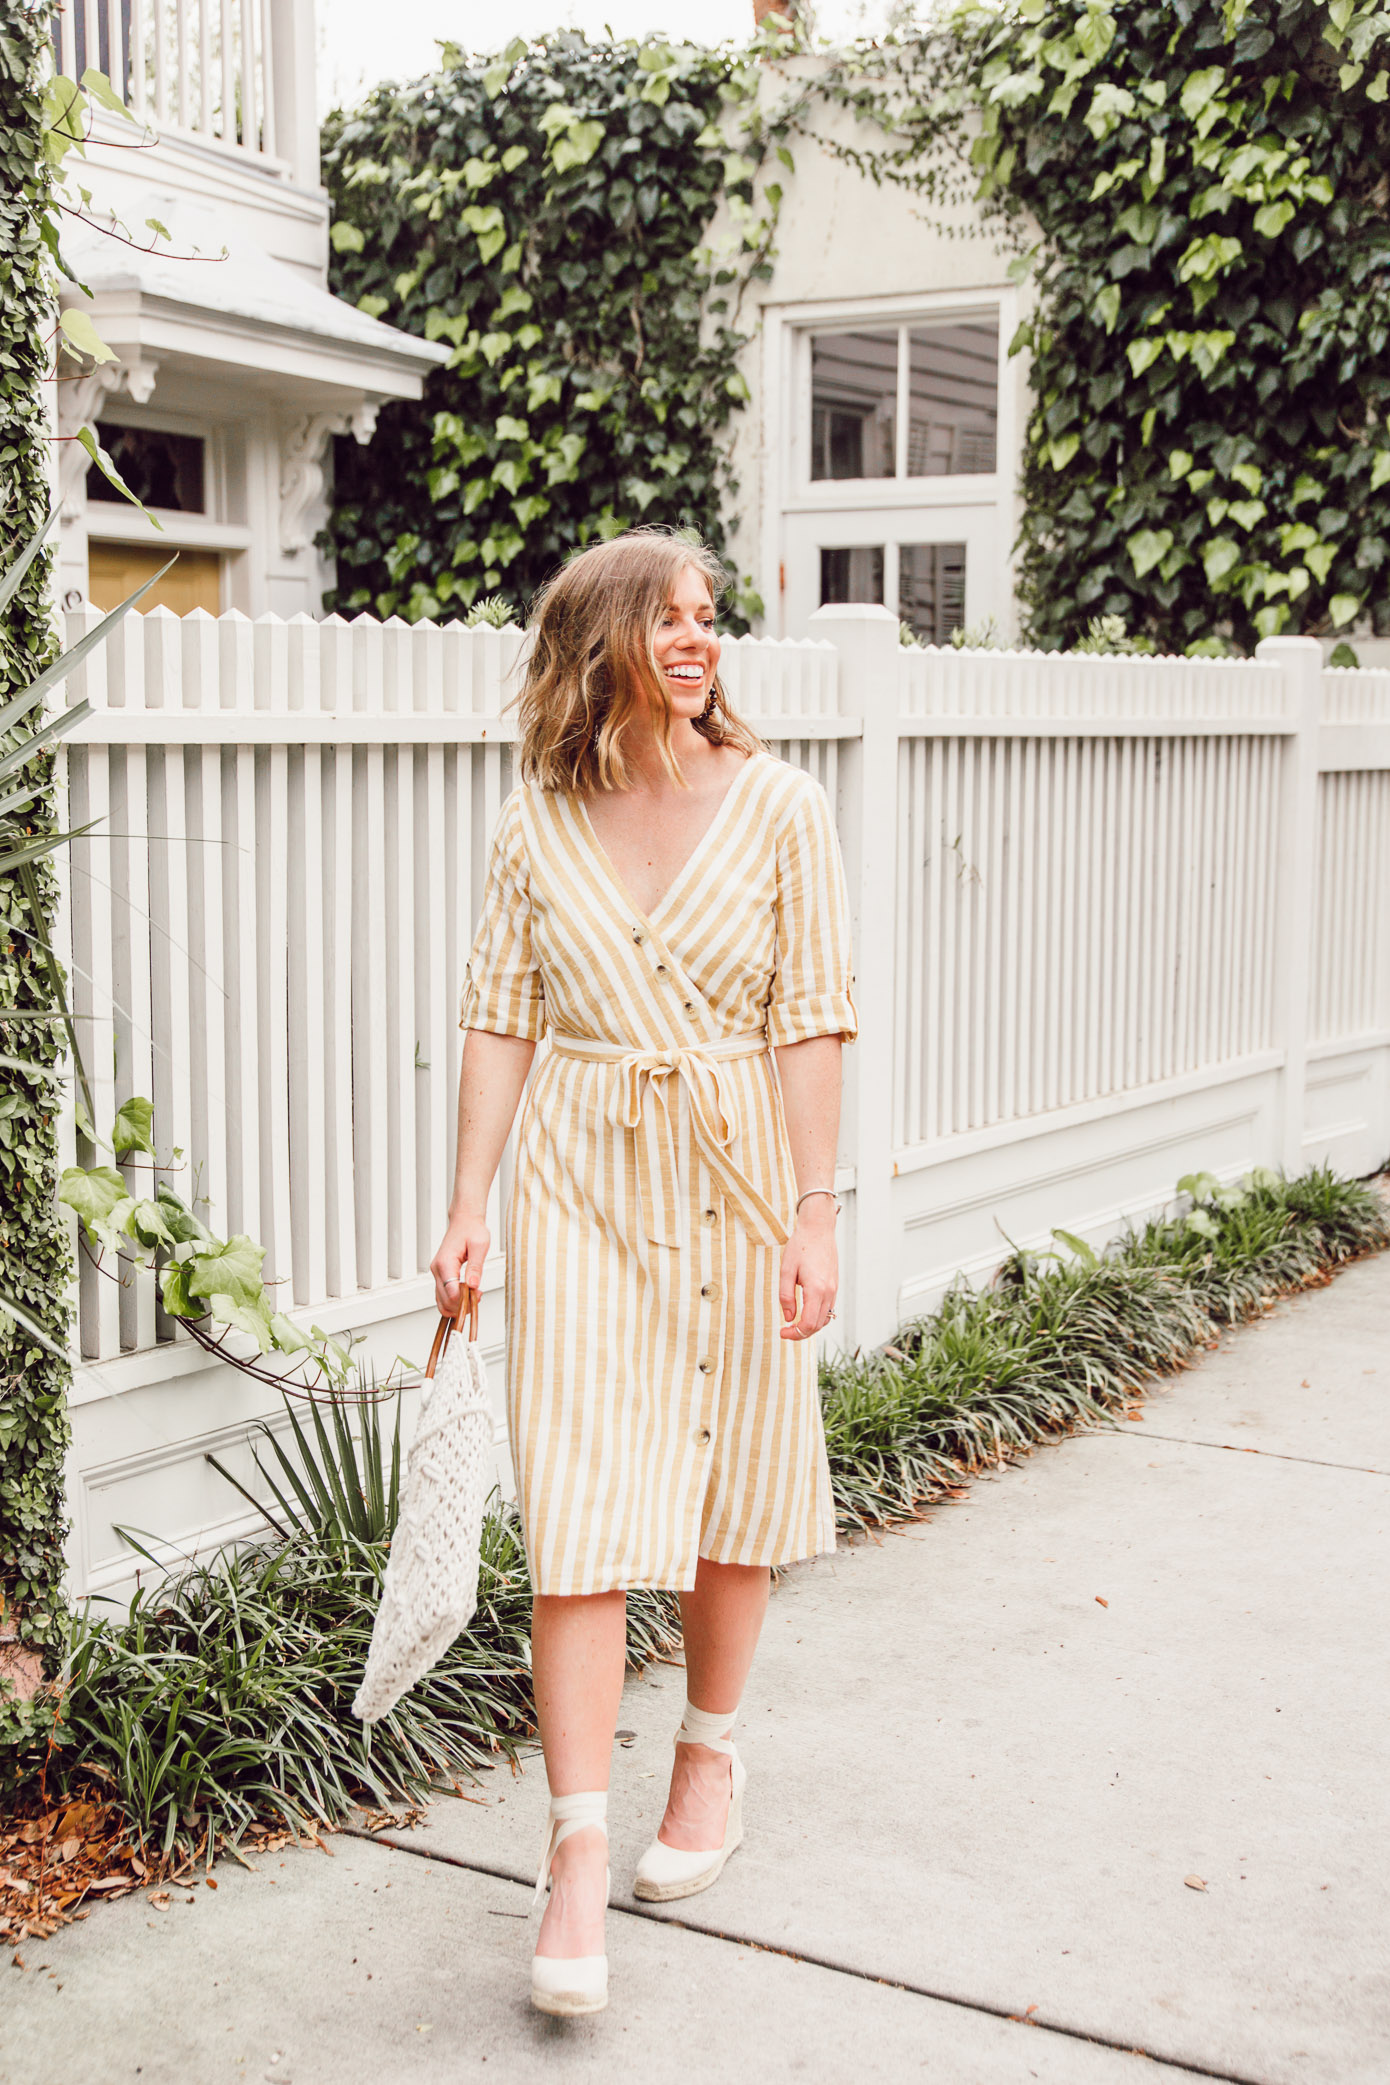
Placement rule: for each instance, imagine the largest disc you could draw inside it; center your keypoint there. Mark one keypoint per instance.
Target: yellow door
(115, 570)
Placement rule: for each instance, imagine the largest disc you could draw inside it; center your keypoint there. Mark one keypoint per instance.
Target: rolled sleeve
(813, 986)
(502, 988)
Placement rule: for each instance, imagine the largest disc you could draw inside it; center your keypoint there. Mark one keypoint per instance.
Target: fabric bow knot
(646, 1101)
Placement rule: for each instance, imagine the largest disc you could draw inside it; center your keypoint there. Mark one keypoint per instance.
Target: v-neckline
(653, 912)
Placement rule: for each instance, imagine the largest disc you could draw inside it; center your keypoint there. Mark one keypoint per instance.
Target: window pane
(163, 470)
(852, 575)
(854, 405)
(954, 388)
(931, 589)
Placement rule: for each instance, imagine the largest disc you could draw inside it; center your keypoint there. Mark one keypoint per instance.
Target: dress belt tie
(643, 1102)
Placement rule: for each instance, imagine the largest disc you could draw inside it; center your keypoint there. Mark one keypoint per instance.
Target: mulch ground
(60, 1855)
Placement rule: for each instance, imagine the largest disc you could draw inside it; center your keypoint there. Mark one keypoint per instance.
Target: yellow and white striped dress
(655, 1414)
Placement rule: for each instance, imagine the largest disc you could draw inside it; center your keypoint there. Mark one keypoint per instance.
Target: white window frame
(789, 488)
(117, 521)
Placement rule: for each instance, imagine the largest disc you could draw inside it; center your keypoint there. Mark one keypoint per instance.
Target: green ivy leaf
(1271, 219)
(1062, 450)
(1179, 463)
(1107, 306)
(101, 1200)
(347, 238)
(1343, 609)
(577, 147)
(148, 1225)
(1147, 547)
(133, 1128)
(1142, 354)
(1380, 469)
(1219, 558)
(287, 1336)
(230, 1270)
(177, 1297)
(252, 1318)
(82, 336)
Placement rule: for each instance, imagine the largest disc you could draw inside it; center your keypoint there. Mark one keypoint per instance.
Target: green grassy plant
(1063, 1340)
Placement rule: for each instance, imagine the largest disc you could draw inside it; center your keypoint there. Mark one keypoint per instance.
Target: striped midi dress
(655, 1414)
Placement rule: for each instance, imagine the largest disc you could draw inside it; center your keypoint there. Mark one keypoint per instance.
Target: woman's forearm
(490, 1082)
(810, 1076)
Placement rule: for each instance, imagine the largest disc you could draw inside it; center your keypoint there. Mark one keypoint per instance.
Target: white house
(235, 364)
(878, 457)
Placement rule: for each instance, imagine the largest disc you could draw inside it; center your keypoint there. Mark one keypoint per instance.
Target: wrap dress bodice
(655, 1414)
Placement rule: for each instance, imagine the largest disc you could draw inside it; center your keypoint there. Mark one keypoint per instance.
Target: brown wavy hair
(591, 667)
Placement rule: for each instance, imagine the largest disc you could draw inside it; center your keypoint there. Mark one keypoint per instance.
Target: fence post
(865, 637)
(1300, 661)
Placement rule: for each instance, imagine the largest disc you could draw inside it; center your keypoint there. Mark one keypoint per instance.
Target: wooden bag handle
(468, 1307)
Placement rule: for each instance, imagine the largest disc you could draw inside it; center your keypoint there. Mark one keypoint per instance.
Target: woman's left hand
(810, 1263)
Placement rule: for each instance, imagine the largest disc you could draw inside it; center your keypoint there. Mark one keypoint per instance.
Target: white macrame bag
(431, 1584)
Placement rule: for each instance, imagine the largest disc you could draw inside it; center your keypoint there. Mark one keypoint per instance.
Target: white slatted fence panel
(1351, 936)
(1068, 914)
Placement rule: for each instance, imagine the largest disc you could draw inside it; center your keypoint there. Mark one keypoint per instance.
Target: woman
(665, 907)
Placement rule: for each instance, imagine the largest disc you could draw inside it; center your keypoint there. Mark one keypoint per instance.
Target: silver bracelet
(819, 1191)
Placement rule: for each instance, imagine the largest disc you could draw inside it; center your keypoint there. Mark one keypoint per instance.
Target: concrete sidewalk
(984, 1757)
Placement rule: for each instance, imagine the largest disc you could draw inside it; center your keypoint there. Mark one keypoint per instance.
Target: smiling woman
(608, 627)
(665, 915)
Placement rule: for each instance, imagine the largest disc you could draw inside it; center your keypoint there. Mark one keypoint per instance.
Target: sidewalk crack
(1316, 1462)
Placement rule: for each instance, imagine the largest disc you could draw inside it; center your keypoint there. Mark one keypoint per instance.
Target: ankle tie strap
(570, 1813)
(707, 1727)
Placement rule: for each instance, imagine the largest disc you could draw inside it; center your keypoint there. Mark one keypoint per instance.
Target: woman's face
(685, 645)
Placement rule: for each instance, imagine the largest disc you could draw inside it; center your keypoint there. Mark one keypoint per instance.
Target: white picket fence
(1115, 918)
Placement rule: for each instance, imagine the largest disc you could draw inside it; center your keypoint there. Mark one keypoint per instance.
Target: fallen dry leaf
(1194, 1882)
(211, 1881)
(1100, 1602)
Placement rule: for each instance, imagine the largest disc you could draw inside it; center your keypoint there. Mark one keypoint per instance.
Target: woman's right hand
(460, 1257)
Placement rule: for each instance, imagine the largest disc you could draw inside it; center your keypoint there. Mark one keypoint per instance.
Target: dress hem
(684, 1585)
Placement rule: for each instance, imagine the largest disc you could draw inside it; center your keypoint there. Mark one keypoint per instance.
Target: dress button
(702, 1436)
(706, 1368)
(638, 935)
(661, 970)
(710, 1215)
(690, 1006)
(709, 1289)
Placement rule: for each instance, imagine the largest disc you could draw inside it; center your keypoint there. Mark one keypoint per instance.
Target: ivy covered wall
(33, 1247)
(1199, 189)
(544, 213)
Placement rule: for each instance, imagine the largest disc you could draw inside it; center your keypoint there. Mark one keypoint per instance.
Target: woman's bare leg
(722, 1617)
(578, 1654)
